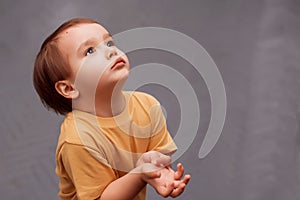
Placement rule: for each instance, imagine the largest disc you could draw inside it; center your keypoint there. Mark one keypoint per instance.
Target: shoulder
(76, 128)
(143, 106)
(68, 130)
(79, 132)
(142, 97)
(68, 133)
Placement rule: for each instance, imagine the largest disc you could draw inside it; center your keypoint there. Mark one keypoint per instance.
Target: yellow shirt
(93, 151)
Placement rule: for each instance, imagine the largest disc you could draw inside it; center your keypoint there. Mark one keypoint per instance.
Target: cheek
(90, 71)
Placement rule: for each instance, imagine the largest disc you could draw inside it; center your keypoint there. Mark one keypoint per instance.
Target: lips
(120, 62)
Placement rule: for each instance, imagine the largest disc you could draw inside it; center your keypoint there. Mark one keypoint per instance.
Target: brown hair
(51, 66)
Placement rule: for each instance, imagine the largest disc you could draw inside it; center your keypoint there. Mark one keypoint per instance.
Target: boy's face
(93, 57)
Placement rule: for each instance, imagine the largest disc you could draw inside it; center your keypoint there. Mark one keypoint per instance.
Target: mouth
(119, 63)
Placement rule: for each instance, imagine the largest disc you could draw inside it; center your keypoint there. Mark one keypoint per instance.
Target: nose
(110, 52)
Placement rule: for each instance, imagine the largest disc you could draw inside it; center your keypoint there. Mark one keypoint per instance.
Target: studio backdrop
(255, 46)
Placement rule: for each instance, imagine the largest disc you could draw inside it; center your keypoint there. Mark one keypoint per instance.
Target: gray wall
(255, 45)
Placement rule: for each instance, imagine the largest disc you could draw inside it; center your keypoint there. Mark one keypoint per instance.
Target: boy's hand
(165, 183)
(179, 184)
(170, 183)
(156, 170)
(154, 157)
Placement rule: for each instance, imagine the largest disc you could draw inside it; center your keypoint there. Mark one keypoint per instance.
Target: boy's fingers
(177, 183)
(153, 174)
(150, 170)
(177, 191)
(180, 171)
(186, 179)
(148, 156)
(161, 160)
(155, 158)
(166, 191)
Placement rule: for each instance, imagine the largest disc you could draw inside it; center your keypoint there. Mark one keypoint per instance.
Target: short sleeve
(161, 139)
(88, 175)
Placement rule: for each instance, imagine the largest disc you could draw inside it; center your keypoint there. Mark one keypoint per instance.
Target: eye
(110, 43)
(90, 50)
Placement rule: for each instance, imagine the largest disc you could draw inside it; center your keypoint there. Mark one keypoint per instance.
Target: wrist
(146, 171)
(139, 173)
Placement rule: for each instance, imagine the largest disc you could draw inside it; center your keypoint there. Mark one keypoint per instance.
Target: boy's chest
(123, 146)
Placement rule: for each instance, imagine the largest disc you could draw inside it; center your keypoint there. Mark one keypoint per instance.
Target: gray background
(255, 45)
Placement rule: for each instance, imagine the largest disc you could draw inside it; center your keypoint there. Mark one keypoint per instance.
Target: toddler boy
(112, 142)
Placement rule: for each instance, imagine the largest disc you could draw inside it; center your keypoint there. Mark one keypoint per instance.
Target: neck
(109, 104)
(106, 102)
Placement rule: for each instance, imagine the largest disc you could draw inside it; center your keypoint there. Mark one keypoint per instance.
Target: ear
(66, 89)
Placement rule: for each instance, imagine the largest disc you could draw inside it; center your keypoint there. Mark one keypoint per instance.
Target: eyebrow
(92, 41)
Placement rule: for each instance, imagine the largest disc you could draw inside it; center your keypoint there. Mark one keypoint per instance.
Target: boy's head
(79, 46)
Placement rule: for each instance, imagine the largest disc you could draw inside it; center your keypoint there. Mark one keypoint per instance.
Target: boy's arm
(126, 187)
(129, 185)
(95, 180)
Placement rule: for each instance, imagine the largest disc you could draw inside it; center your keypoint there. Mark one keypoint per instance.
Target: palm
(165, 183)
(163, 179)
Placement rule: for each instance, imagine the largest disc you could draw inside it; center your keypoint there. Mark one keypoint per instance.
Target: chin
(120, 76)
(116, 80)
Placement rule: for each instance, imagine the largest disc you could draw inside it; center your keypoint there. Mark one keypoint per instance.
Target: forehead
(75, 35)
